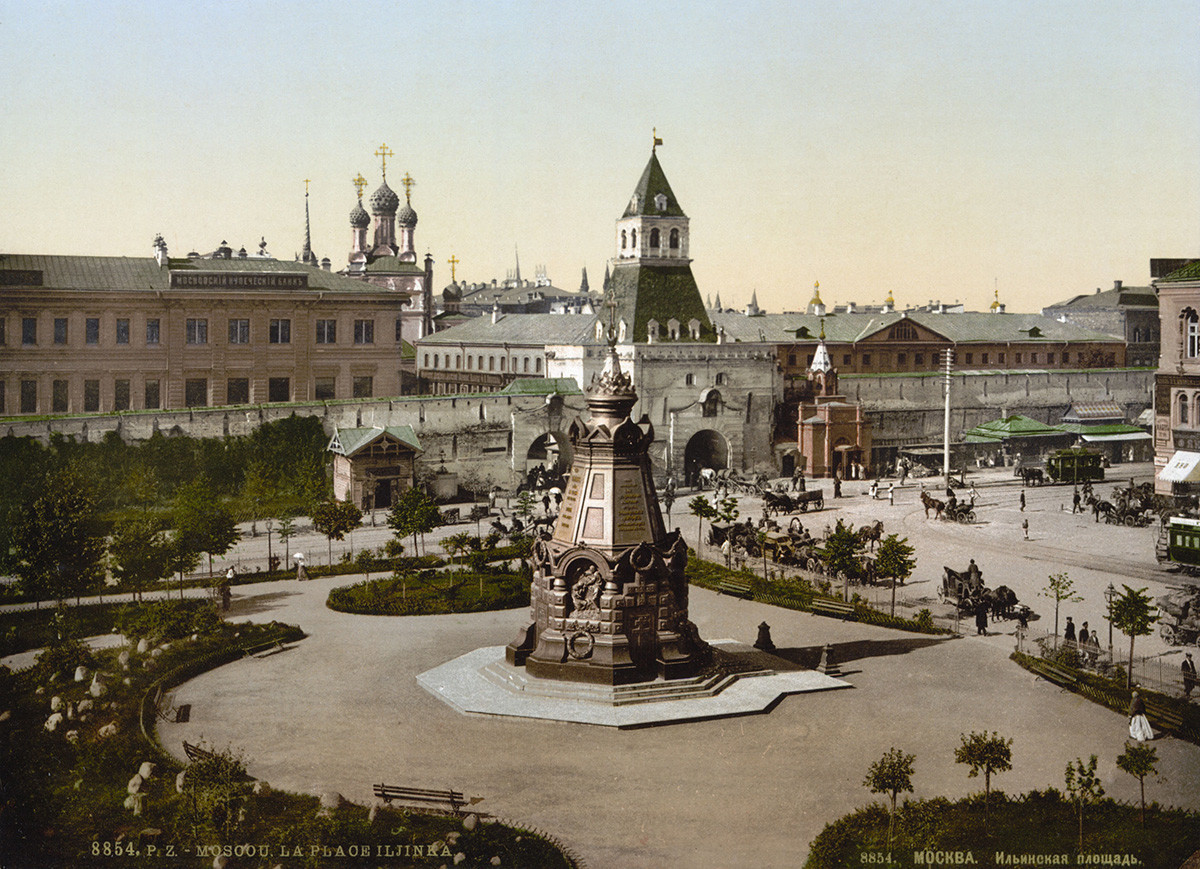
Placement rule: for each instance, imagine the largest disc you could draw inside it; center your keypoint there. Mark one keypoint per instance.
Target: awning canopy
(1184, 467)
(1122, 436)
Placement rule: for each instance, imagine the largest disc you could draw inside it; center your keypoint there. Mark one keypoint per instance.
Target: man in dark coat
(1189, 676)
(1069, 631)
(981, 618)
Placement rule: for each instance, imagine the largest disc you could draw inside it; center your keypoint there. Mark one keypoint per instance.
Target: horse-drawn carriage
(778, 503)
(966, 591)
(952, 509)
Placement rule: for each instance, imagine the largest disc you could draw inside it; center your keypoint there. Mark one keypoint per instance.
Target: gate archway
(705, 449)
(552, 451)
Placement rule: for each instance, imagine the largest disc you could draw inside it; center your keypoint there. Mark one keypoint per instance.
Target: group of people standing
(1087, 643)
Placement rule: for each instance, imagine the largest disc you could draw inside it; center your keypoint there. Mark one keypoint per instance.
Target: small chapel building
(834, 436)
(371, 466)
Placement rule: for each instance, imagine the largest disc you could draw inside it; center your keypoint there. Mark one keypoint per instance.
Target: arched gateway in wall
(705, 449)
(552, 450)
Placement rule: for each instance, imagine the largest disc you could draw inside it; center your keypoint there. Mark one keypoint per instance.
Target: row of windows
(196, 393)
(936, 359)
(721, 379)
(475, 363)
(279, 331)
(655, 239)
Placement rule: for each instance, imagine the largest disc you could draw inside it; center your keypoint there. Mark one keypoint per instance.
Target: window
(918, 359)
(58, 397)
(457, 361)
(91, 395)
(709, 407)
(1017, 358)
(364, 331)
(279, 389)
(364, 387)
(1066, 358)
(237, 390)
(470, 361)
(689, 380)
(152, 399)
(845, 358)
(436, 359)
(902, 360)
(654, 237)
(239, 332)
(791, 359)
(122, 331)
(525, 367)
(399, 330)
(537, 366)
(809, 360)
(674, 242)
(1049, 358)
(91, 330)
(983, 358)
(280, 332)
(326, 331)
(491, 363)
(446, 361)
(195, 392)
(28, 396)
(622, 239)
(60, 330)
(1033, 359)
(152, 331)
(197, 333)
(1000, 358)
(3, 338)
(29, 332)
(866, 360)
(902, 332)
(1183, 410)
(1193, 337)
(121, 394)
(324, 388)
(722, 379)
(970, 358)
(633, 238)
(2, 409)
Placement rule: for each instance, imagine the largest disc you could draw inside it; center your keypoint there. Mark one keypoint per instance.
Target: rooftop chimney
(1117, 285)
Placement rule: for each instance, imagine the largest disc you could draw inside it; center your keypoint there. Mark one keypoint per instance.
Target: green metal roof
(1082, 428)
(1010, 426)
(348, 441)
(542, 386)
(662, 293)
(121, 274)
(1190, 272)
(392, 265)
(652, 183)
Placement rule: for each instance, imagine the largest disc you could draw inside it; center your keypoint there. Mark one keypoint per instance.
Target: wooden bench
(195, 753)
(732, 586)
(836, 608)
(259, 648)
(452, 798)
(1051, 672)
(1163, 716)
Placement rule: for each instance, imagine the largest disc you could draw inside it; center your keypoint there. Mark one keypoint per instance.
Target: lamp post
(1109, 594)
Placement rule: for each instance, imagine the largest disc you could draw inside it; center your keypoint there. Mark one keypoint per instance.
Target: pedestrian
(1025, 527)
(1084, 636)
(973, 493)
(1189, 676)
(891, 494)
(796, 480)
(874, 490)
(1075, 507)
(1022, 500)
(837, 486)
(1139, 726)
(1069, 631)
(546, 503)
(981, 618)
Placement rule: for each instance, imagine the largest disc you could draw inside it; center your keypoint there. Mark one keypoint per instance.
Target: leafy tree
(335, 519)
(894, 560)
(141, 553)
(891, 775)
(58, 547)
(702, 509)
(414, 512)
(1083, 787)
(184, 557)
(456, 544)
(1139, 761)
(727, 509)
(257, 494)
(287, 530)
(1062, 589)
(202, 522)
(1132, 613)
(524, 506)
(842, 552)
(216, 788)
(989, 752)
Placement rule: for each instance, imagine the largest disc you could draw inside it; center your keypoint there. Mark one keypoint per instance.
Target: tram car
(1075, 465)
(1182, 543)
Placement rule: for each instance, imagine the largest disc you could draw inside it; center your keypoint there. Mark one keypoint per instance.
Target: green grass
(1036, 823)
(430, 593)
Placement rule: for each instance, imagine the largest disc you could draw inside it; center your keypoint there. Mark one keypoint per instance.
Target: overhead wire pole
(949, 361)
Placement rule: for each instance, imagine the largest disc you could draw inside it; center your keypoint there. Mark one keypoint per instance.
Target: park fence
(1160, 672)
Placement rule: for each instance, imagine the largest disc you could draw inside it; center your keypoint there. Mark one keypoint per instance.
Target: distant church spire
(517, 257)
(583, 285)
(307, 257)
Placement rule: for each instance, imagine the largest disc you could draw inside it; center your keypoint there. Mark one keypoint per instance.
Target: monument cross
(359, 183)
(306, 183)
(408, 183)
(454, 261)
(383, 152)
(654, 136)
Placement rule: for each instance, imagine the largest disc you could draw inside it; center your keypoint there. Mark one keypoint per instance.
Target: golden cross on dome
(306, 183)
(359, 183)
(657, 141)
(408, 183)
(454, 261)
(383, 152)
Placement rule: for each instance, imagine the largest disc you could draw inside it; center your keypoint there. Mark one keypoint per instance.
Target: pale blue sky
(934, 149)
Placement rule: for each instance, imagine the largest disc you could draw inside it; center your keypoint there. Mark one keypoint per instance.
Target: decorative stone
(220, 861)
(142, 646)
(459, 858)
(126, 681)
(470, 822)
(81, 673)
(135, 784)
(133, 802)
(56, 703)
(41, 689)
(72, 736)
(84, 705)
(827, 665)
(179, 780)
(454, 837)
(372, 813)
(156, 653)
(147, 769)
(330, 800)
(261, 788)
(70, 712)
(495, 861)
(123, 659)
(165, 646)
(108, 730)
(98, 688)
(53, 721)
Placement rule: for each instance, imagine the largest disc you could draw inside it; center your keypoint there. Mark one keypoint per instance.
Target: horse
(1099, 507)
(869, 535)
(708, 478)
(934, 504)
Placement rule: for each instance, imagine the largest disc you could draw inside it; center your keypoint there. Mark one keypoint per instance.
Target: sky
(937, 150)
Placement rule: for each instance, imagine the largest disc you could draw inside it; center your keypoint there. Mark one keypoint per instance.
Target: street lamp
(1109, 594)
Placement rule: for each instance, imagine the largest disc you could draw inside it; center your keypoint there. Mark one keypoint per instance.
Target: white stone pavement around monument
(342, 710)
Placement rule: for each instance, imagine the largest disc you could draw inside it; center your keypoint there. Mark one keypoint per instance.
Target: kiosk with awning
(1183, 467)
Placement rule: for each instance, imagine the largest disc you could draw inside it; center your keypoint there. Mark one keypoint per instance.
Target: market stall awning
(1184, 467)
(1120, 436)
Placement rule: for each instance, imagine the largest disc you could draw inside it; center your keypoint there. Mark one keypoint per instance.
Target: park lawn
(433, 593)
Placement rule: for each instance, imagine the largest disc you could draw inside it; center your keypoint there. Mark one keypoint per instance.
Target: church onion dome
(384, 200)
(452, 293)
(406, 216)
(359, 219)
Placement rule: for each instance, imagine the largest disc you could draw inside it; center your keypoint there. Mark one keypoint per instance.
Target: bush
(62, 657)
(925, 621)
(158, 621)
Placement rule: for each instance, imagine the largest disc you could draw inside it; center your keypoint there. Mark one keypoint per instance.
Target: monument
(609, 601)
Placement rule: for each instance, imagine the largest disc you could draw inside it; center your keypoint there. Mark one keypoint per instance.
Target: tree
(1139, 761)
(202, 523)
(287, 530)
(141, 553)
(842, 552)
(894, 560)
(891, 775)
(414, 512)
(1062, 590)
(58, 546)
(216, 788)
(1132, 613)
(1083, 787)
(335, 519)
(727, 509)
(183, 557)
(258, 491)
(456, 544)
(989, 752)
(702, 509)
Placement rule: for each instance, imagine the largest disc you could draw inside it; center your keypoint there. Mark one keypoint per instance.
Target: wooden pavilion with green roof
(371, 466)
